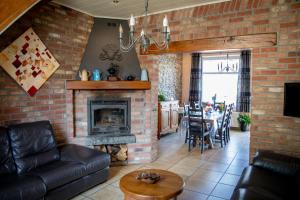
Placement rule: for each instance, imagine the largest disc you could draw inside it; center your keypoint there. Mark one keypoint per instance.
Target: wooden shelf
(108, 85)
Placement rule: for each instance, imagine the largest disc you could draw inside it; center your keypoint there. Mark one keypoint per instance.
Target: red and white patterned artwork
(28, 61)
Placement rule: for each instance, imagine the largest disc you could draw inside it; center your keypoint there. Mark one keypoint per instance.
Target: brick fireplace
(82, 102)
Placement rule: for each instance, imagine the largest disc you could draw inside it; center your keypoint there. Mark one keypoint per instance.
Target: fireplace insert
(108, 116)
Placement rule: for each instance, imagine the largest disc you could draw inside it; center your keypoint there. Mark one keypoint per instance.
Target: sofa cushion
(21, 187)
(276, 183)
(279, 163)
(32, 145)
(58, 173)
(7, 164)
(93, 160)
(253, 193)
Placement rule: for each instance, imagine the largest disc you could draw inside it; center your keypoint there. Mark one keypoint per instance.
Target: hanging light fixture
(227, 68)
(144, 39)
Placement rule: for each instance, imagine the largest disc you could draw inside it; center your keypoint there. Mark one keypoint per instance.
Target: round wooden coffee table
(169, 186)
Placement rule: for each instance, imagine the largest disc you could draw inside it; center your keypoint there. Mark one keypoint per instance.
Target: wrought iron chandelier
(144, 39)
(227, 68)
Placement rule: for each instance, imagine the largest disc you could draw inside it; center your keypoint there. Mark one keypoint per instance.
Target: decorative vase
(96, 75)
(84, 75)
(144, 75)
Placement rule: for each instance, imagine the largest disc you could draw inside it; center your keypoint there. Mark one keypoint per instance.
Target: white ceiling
(107, 9)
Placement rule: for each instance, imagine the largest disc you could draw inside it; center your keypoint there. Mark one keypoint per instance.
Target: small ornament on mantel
(144, 74)
(113, 72)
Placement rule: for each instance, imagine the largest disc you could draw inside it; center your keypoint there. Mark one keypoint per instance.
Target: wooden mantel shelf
(108, 85)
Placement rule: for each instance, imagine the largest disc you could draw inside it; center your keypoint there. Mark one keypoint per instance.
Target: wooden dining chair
(197, 127)
(221, 132)
(229, 122)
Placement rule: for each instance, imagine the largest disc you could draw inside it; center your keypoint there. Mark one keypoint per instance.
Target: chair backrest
(224, 119)
(195, 105)
(196, 121)
(186, 109)
(230, 110)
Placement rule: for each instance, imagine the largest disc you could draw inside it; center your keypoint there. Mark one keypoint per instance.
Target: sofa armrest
(277, 162)
(84, 155)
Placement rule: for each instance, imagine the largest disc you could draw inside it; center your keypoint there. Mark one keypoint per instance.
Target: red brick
(269, 49)
(287, 71)
(261, 11)
(245, 13)
(238, 19)
(267, 72)
(296, 6)
(287, 60)
(261, 22)
(213, 27)
(289, 24)
(292, 66)
(294, 53)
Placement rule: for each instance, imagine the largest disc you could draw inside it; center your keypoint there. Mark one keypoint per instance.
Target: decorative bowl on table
(148, 177)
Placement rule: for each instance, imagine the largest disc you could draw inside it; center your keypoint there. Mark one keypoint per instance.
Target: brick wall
(65, 33)
(271, 67)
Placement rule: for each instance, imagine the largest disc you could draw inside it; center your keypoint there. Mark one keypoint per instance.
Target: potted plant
(161, 97)
(245, 121)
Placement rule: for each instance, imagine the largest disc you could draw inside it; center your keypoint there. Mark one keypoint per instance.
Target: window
(219, 80)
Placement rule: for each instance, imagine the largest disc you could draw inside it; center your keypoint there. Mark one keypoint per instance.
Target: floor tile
(186, 171)
(208, 175)
(79, 197)
(230, 179)
(236, 170)
(198, 185)
(94, 189)
(223, 191)
(214, 198)
(214, 166)
(190, 195)
(108, 193)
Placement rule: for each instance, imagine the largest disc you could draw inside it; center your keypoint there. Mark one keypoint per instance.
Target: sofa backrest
(7, 164)
(32, 145)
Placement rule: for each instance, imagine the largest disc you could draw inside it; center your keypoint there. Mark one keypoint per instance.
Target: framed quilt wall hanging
(28, 61)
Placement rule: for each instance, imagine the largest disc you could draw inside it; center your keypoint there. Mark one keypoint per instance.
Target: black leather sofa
(33, 167)
(271, 177)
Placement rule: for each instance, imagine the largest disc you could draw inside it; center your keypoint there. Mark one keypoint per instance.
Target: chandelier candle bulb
(165, 21)
(132, 21)
(120, 29)
(142, 32)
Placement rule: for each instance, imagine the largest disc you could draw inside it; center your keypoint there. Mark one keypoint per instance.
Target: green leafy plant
(161, 97)
(244, 118)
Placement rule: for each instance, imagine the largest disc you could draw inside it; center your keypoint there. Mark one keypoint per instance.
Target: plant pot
(243, 126)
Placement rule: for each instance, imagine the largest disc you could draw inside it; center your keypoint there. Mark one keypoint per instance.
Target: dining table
(212, 119)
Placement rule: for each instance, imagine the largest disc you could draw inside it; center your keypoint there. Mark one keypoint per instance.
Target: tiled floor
(212, 175)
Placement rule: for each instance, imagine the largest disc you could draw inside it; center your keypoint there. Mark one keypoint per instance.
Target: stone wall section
(170, 76)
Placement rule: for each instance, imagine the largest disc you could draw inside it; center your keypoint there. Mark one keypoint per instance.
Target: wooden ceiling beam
(11, 10)
(218, 43)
